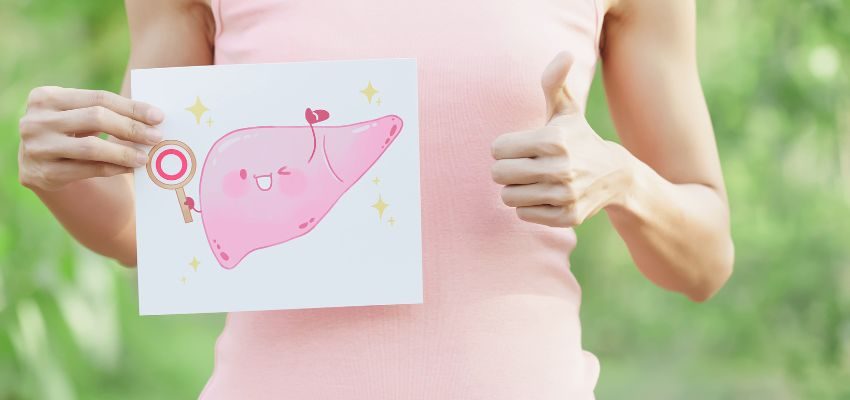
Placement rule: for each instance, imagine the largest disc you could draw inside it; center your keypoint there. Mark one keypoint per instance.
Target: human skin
(662, 188)
(163, 33)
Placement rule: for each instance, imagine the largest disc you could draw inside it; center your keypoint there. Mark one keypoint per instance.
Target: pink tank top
(500, 318)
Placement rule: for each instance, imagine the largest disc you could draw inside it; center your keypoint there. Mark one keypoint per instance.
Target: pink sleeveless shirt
(500, 319)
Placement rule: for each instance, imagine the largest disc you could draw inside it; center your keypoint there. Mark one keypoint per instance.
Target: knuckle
(27, 179)
(557, 174)
(551, 196)
(89, 148)
(38, 176)
(552, 148)
(136, 110)
(24, 179)
(98, 115)
(564, 195)
(41, 95)
(570, 217)
(559, 171)
(127, 156)
(33, 150)
(101, 98)
(553, 142)
(28, 125)
(134, 132)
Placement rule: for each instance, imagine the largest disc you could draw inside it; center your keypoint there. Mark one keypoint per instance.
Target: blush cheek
(293, 184)
(233, 185)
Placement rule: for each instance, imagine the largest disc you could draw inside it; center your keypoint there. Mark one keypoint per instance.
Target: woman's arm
(675, 220)
(97, 207)
(663, 189)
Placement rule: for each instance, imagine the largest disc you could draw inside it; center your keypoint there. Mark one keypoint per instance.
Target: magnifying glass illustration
(171, 166)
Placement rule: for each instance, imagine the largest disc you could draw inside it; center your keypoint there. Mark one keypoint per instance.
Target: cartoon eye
(243, 174)
(282, 171)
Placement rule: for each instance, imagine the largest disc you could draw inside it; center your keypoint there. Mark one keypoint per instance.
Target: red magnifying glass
(171, 165)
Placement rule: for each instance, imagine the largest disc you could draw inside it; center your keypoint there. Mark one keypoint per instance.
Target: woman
(500, 318)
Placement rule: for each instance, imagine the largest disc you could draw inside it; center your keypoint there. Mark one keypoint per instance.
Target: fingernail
(155, 115)
(154, 136)
(141, 159)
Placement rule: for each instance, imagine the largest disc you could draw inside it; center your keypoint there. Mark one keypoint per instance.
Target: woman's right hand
(59, 142)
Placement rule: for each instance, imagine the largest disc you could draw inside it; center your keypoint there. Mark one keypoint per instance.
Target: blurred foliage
(776, 81)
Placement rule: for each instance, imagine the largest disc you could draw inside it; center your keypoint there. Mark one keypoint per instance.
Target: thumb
(559, 102)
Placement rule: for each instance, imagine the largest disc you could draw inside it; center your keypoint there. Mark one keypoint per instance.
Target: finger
(69, 99)
(547, 141)
(536, 194)
(524, 171)
(514, 145)
(516, 171)
(93, 148)
(559, 101)
(101, 119)
(74, 170)
(554, 216)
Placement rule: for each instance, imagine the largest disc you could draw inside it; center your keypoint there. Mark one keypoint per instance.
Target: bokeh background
(776, 78)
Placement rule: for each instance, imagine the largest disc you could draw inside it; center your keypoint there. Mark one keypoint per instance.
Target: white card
(280, 186)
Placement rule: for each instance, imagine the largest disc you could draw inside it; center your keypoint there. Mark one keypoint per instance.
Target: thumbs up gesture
(563, 173)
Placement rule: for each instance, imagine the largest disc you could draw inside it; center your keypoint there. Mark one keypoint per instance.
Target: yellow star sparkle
(378, 101)
(391, 221)
(369, 92)
(183, 279)
(380, 206)
(209, 122)
(376, 180)
(194, 263)
(198, 109)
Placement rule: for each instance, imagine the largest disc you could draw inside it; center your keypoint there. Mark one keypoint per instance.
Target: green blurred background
(777, 83)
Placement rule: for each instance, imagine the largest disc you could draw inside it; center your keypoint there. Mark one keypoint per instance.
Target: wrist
(631, 176)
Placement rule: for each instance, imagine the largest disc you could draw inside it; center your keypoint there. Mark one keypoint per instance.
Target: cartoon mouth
(264, 182)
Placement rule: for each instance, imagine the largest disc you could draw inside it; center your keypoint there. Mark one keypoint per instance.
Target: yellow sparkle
(378, 101)
(391, 221)
(380, 206)
(194, 263)
(369, 92)
(198, 109)
(183, 279)
(209, 122)
(376, 180)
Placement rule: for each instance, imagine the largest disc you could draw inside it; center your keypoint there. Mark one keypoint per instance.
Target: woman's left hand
(564, 173)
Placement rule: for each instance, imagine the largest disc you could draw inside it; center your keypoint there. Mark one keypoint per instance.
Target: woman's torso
(500, 316)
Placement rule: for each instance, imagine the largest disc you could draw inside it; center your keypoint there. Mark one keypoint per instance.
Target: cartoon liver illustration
(266, 185)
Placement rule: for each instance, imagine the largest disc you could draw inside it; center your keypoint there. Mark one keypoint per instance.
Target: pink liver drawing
(266, 185)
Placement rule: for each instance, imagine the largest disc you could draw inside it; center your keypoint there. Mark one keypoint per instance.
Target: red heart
(317, 116)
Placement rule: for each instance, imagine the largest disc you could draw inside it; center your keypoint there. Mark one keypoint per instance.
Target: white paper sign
(280, 186)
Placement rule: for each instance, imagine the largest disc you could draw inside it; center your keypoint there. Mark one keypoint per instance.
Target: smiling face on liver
(260, 187)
